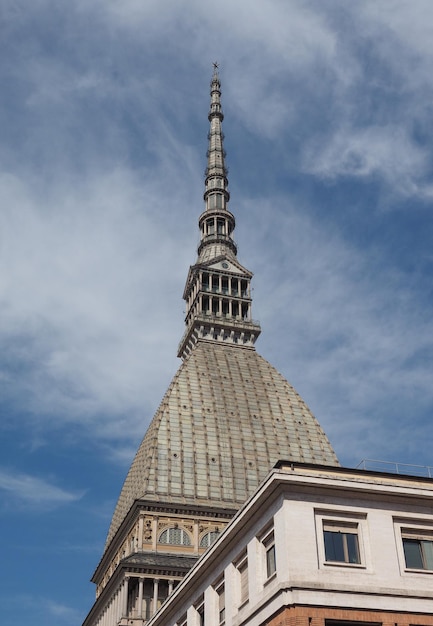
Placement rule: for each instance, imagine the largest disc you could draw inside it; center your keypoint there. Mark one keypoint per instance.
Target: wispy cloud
(34, 491)
(383, 153)
(42, 609)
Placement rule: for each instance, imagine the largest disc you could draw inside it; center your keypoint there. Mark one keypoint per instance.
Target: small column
(170, 587)
(140, 532)
(116, 606)
(140, 598)
(125, 597)
(195, 535)
(154, 533)
(110, 618)
(155, 595)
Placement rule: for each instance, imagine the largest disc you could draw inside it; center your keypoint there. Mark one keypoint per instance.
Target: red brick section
(308, 616)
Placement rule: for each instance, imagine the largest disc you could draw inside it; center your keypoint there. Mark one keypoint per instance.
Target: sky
(103, 122)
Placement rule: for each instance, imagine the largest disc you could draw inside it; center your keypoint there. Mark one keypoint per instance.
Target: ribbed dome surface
(225, 420)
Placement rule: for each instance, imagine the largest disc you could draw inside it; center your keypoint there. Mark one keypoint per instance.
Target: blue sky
(103, 123)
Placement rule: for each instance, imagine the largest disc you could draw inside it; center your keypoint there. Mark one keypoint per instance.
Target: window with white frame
(418, 548)
(341, 540)
(268, 543)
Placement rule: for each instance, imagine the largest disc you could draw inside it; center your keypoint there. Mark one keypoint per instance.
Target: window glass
(269, 544)
(341, 543)
(270, 560)
(175, 537)
(242, 568)
(208, 539)
(221, 604)
(200, 611)
(210, 227)
(418, 553)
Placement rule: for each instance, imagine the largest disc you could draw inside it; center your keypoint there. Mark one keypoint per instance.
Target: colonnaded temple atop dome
(227, 417)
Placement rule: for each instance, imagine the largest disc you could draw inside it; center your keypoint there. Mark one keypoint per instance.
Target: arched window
(175, 537)
(208, 539)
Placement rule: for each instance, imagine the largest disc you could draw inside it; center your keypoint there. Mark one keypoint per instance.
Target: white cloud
(385, 152)
(66, 613)
(411, 24)
(34, 491)
(79, 294)
(35, 607)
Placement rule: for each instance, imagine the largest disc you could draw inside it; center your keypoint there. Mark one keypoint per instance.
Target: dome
(227, 417)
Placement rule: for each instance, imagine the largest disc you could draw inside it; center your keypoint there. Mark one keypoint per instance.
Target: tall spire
(216, 195)
(217, 291)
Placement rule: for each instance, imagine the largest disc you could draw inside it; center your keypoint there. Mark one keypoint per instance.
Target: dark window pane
(270, 561)
(243, 570)
(427, 547)
(352, 548)
(334, 550)
(412, 553)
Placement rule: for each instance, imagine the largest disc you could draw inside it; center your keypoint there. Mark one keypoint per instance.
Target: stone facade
(319, 545)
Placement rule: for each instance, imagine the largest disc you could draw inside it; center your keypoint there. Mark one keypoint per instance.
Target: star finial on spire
(215, 67)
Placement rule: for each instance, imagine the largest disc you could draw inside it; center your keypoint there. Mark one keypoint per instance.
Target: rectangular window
(418, 549)
(269, 545)
(341, 542)
(200, 612)
(221, 604)
(210, 224)
(242, 567)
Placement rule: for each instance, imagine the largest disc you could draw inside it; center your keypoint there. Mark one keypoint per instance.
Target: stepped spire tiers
(217, 291)
(227, 417)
